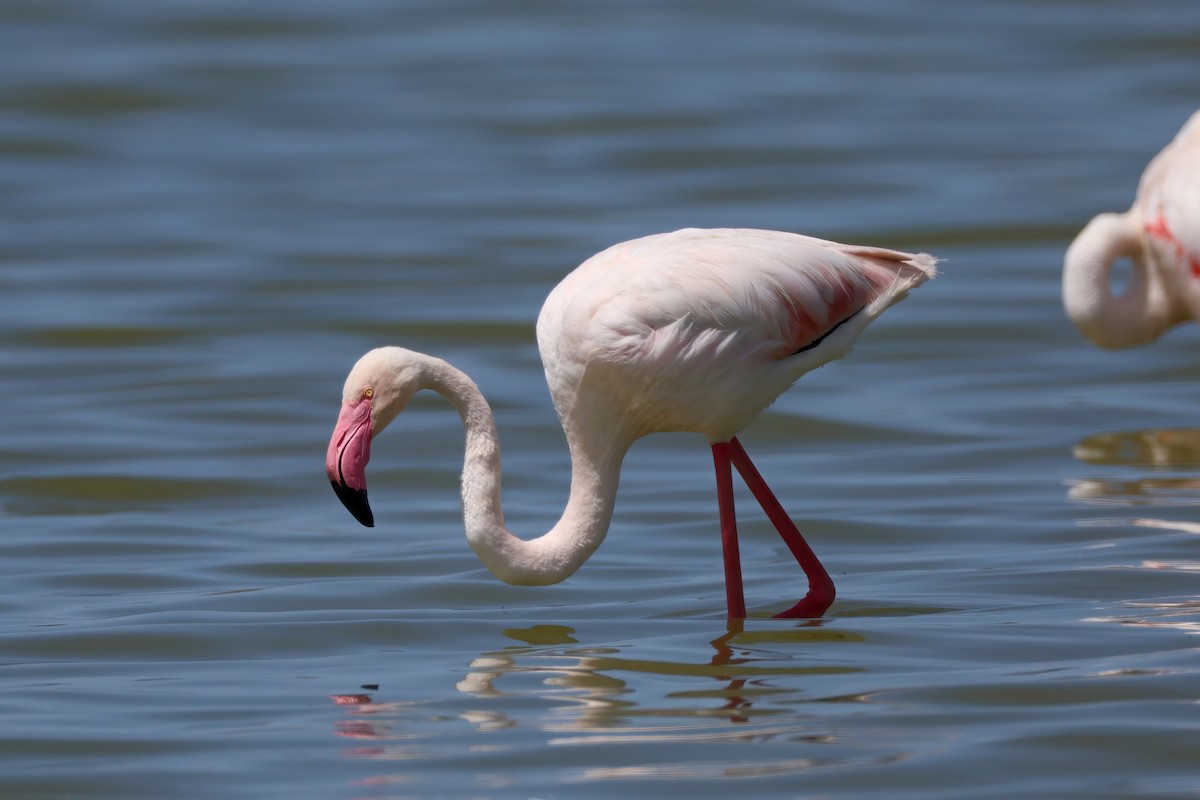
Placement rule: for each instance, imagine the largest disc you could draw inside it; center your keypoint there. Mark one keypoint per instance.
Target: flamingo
(1160, 235)
(696, 330)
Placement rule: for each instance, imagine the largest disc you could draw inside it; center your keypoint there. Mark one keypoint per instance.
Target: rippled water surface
(210, 209)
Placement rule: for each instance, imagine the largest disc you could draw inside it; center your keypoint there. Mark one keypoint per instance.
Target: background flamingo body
(1160, 235)
(696, 330)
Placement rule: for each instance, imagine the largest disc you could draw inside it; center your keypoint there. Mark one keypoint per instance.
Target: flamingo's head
(377, 389)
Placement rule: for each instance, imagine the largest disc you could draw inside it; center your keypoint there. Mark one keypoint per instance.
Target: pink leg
(734, 597)
(820, 585)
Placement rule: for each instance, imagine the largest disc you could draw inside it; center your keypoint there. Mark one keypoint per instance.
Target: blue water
(209, 210)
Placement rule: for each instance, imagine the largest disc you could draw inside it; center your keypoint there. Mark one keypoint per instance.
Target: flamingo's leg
(734, 597)
(820, 585)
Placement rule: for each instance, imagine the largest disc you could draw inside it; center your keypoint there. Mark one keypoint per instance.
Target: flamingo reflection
(1165, 450)
(1175, 449)
(592, 702)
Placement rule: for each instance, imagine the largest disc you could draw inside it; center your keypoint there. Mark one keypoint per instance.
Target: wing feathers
(726, 291)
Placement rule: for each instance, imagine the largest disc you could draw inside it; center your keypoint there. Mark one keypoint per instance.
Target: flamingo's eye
(368, 393)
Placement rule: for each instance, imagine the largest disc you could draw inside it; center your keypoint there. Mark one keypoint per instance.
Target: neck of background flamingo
(1140, 313)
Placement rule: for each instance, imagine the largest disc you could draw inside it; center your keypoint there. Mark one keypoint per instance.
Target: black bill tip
(355, 501)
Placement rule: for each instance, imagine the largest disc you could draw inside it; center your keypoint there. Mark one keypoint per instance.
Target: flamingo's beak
(346, 460)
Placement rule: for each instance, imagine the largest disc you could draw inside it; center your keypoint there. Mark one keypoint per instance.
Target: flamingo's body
(697, 330)
(1160, 235)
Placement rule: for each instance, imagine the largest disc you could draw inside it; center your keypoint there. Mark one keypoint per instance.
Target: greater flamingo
(1160, 235)
(696, 330)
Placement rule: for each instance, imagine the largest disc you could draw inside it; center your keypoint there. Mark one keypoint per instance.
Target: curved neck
(595, 469)
(1138, 315)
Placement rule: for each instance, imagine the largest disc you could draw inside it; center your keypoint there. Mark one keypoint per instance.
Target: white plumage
(696, 330)
(1160, 235)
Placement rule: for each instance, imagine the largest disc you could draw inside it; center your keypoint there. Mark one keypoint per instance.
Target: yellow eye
(368, 393)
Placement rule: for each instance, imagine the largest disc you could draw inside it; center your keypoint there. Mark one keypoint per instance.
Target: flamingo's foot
(812, 606)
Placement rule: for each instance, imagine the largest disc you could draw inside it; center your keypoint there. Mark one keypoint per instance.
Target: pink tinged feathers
(804, 328)
(1160, 231)
(846, 296)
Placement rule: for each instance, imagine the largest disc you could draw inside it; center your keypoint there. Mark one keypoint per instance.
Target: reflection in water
(730, 696)
(1137, 492)
(1179, 614)
(585, 677)
(1158, 449)
(1168, 524)
(1166, 448)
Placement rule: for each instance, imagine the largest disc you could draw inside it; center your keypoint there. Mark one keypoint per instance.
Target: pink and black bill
(346, 459)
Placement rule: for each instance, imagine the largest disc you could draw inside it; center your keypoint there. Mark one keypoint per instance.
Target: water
(211, 209)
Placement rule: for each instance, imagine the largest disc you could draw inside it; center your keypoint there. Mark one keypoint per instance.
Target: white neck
(596, 457)
(1137, 316)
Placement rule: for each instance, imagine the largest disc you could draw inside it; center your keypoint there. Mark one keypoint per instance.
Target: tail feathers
(901, 272)
(913, 272)
(917, 266)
